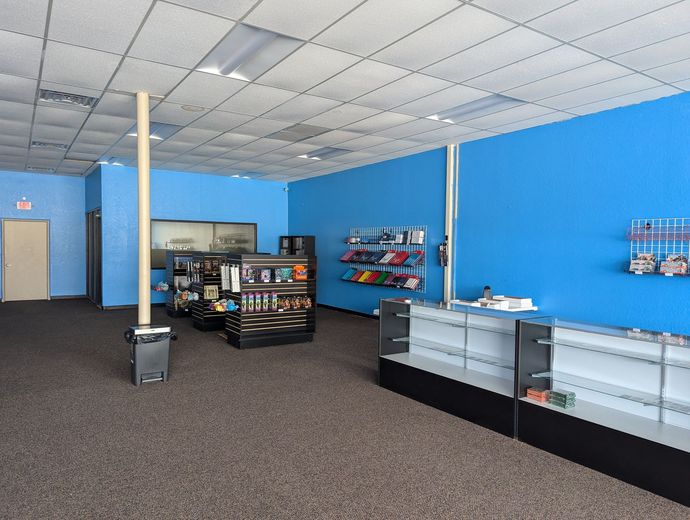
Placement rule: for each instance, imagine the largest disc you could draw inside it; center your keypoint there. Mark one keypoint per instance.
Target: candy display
(222, 305)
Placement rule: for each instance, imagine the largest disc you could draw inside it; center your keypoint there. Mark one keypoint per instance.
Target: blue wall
(405, 191)
(60, 200)
(93, 190)
(544, 211)
(179, 196)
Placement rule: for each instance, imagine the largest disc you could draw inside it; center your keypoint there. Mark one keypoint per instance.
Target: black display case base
(483, 407)
(269, 339)
(649, 465)
(208, 326)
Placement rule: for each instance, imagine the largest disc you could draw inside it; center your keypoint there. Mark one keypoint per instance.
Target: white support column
(144, 196)
(450, 211)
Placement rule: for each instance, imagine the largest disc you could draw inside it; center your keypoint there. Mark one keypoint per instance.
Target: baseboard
(130, 306)
(348, 311)
(69, 297)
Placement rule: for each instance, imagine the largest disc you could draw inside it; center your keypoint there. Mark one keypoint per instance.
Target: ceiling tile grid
(367, 74)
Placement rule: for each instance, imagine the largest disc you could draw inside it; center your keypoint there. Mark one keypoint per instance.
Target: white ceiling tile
(59, 117)
(299, 18)
(12, 151)
(21, 55)
(601, 91)
(232, 157)
(378, 23)
(573, 79)
(365, 141)
(234, 9)
(255, 100)
(260, 127)
(105, 25)
(94, 138)
(84, 156)
(10, 111)
(657, 54)
(80, 147)
(194, 136)
(379, 122)
(232, 140)
(684, 85)
(12, 163)
(553, 117)
(506, 48)
(176, 147)
(521, 10)
(78, 66)
(587, 16)
(16, 127)
(402, 91)
(392, 146)
(139, 75)
(418, 126)
(645, 30)
(120, 105)
(264, 145)
(52, 133)
(301, 107)
(206, 90)
(14, 140)
(505, 117)
(363, 77)
(221, 121)
(442, 100)
(25, 16)
(14, 88)
(532, 69)
(103, 123)
(44, 163)
(173, 114)
(630, 99)
(341, 116)
(295, 149)
(452, 33)
(332, 137)
(448, 132)
(671, 73)
(179, 36)
(210, 150)
(297, 71)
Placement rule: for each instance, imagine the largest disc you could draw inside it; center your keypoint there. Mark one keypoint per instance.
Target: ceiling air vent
(53, 146)
(298, 132)
(65, 98)
(40, 169)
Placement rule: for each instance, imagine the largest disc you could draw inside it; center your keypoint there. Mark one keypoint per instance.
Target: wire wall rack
(659, 246)
(409, 239)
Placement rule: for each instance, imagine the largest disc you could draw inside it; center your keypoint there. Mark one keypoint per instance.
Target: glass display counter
(611, 398)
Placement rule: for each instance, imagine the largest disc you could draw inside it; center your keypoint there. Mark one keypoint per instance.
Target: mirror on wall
(234, 237)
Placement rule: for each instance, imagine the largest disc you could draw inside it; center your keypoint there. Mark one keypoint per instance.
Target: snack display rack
(207, 283)
(284, 310)
(659, 246)
(178, 277)
(408, 241)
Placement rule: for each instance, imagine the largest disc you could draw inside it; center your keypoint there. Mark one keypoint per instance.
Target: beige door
(25, 260)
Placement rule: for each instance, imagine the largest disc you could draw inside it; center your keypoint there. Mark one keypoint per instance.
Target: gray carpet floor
(298, 431)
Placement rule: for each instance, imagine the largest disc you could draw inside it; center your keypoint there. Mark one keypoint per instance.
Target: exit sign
(24, 204)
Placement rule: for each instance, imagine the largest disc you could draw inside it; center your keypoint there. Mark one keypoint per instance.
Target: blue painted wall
(93, 190)
(405, 191)
(544, 211)
(179, 196)
(60, 200)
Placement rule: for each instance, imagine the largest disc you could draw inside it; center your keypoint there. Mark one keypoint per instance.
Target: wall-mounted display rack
(659, 246)
(387, 256)
(275, 297)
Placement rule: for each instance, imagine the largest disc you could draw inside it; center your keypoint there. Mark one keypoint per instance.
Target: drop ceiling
(366, 74)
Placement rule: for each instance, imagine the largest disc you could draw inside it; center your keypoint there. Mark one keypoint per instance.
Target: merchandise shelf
(451, 323)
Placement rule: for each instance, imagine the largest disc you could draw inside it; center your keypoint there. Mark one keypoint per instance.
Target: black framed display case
(622, 402)
(178, 276)
(457, 358)
(207, 283)
(275, 297)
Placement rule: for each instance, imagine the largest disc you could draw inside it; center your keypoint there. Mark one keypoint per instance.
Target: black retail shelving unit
(298, 245)
(272, 327)
(176, 269)
(205, 275)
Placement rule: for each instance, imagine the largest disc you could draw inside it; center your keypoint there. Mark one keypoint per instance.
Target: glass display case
(457, 358)
(612, 398)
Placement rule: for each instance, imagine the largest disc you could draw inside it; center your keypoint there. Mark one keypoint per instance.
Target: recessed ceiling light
(112, 161)
(54, 146)
(66, 98)
(236, 176)
(192, 108)
(247, 52)
(324, 153)
(157, 131)
(246, 177)
(478, 108)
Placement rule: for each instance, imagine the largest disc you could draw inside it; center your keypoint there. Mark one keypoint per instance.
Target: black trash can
(149, 352)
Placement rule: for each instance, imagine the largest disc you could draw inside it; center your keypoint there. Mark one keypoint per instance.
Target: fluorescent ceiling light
(157, 131)
(112, 161)
(478, 108)
(247, 52)
(54, 146)
(324, 153)
(66, 98)
(40, 169)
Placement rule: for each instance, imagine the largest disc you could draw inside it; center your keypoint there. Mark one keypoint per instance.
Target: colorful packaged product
(265, 275)
(274, 301)
(243, 304)
(300, 272)
(266, 302)
(250, 302)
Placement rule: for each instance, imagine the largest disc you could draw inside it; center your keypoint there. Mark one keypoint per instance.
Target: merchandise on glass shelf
(538, 394)
(562, 398)
(643, 263)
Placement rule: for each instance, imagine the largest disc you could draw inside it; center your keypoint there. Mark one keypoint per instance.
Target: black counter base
(268, 340)
(649, 465)
(483, 407)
